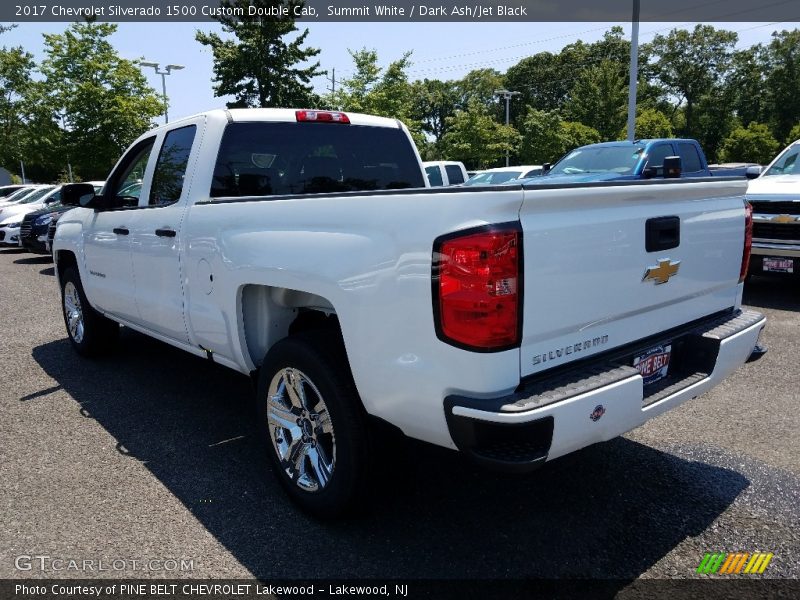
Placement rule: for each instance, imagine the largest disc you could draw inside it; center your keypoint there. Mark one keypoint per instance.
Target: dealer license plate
(653, 364)
(778, 265)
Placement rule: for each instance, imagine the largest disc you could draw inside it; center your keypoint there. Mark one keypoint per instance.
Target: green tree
(479, 85)
(104, 99)
(578, 134)
(650, 123)
(433, 101)
(16, 66)
(546, 137)
(753, 143)
(794, 134)
(599, 99)
(690, 65)
(746, 84)
(382, 92)
(260, 67)
(782, 81)
(476, 139)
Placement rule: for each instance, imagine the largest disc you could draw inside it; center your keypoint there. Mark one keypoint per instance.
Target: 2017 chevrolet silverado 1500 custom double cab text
(304, 248)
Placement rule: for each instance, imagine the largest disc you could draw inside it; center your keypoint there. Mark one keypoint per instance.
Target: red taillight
(321, 116)
(477, 288)
(748, 240)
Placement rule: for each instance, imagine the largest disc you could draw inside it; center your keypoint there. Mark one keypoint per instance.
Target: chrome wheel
(300, 429)
(73, 312)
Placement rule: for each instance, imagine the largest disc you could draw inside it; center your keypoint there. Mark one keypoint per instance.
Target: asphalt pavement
(148, 455)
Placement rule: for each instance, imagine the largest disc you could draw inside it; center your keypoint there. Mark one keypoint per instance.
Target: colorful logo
(734, 563)
(598, 412)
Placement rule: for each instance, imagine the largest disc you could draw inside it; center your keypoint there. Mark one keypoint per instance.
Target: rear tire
(90, 333)
(311, 423)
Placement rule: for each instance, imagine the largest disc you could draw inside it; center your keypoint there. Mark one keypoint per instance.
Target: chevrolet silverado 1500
(303, 248)
(775, 197)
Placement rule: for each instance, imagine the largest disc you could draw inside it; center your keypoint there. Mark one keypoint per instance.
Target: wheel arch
(63, 260)
(268, 314)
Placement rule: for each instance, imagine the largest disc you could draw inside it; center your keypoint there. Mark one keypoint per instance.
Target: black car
(33, 231)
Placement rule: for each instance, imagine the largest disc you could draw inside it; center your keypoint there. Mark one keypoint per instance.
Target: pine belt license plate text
(653, 364)
(778, 265)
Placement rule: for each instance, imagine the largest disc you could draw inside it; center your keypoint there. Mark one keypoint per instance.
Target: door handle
(662, 233)
(121, 230)
(166, 232)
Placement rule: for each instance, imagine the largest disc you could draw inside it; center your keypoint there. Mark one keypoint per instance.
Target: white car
(11, 215)
(504, 174)
(24, 194)
(36, 200)
(9, 230)
(443, 173)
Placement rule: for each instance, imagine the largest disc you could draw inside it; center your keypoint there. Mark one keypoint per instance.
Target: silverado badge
(661, 273)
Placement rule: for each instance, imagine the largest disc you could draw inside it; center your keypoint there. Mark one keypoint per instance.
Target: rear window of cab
(268, 159)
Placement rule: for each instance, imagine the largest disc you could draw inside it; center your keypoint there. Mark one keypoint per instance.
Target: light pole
(507, 95)
(167, 70)
(634, 72)
(63, 117)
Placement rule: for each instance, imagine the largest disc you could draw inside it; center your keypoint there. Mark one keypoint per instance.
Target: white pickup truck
(775, 197)
(303, 248)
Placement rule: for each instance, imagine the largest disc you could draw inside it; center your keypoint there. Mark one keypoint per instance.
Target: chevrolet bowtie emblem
(784, 219)
(661, 273)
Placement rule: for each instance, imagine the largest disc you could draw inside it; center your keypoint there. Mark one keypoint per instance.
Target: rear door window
(690, 159)
(434, 175)
(454, 174)
(263, 159)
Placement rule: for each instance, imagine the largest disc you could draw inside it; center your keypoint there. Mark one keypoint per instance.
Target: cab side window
(171, 166)
(454, 174)
(657, 155)
(125, 185)
(690, 160)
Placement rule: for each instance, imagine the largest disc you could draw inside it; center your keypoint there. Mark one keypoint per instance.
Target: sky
(440, 50)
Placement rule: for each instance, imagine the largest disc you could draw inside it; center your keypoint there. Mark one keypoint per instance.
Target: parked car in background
(32, 200)
(7, 190)
(40, 198)
(640, 159)
(504, 174)
(739, 169)
(36, 225)
(19, 195)
(9, 230)
(775, 198)
(11, 215)
(445, 172)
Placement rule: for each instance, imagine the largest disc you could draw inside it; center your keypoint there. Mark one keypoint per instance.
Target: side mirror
(79, 194)
(752, 172)
(672, 167)
(546, 168)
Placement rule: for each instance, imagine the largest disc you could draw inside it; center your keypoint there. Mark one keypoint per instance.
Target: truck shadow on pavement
(611, 511)
(781, 293)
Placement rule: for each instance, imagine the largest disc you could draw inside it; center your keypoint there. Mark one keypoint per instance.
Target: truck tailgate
(585, 262)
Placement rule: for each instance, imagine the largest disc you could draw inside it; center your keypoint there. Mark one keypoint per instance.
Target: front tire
(89, 332)
(312, 425)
